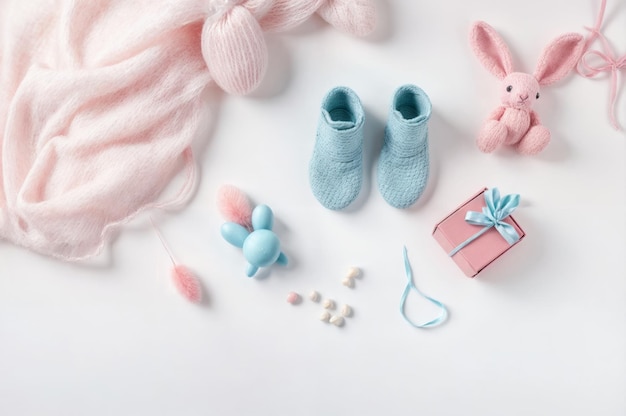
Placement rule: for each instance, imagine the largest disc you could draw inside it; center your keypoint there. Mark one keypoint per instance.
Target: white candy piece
(346, 310)
(314, 296)
(348, 282)
(353, 272)
(325, 316)
(329, 304)
(337, 320)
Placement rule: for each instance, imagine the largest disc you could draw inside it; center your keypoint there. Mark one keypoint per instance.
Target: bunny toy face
(519, 90)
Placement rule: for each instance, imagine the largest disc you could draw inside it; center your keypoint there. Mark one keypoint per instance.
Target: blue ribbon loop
(410, 285)
(492, 216)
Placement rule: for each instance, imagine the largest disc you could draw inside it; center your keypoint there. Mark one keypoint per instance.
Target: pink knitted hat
(100, 101)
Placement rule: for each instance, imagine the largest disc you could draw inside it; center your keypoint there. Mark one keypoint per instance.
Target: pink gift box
(454, 230)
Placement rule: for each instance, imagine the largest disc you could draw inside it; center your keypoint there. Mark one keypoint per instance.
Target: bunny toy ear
(357, 17)
(559, 57)
(491, 49)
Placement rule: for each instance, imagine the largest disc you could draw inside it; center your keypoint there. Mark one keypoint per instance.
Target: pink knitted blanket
(100, 101)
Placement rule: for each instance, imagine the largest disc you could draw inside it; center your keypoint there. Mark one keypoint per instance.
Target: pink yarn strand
(595, 31)
(609, 63)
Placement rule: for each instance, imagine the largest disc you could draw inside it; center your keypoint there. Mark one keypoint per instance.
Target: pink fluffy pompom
(234, 205)
(187, 283)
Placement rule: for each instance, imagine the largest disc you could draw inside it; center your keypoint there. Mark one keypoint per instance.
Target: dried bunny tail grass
(187, 283)
(184, 280)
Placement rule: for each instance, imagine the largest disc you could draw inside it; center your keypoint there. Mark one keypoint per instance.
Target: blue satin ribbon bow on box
(494, 212)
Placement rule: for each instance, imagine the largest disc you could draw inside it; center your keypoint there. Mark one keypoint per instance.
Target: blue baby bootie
(335, 170)
(403, 165)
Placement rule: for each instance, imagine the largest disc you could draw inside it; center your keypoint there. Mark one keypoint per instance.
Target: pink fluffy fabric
(100, 101)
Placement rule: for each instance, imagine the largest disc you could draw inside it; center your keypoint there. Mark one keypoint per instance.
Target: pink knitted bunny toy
(514, 122)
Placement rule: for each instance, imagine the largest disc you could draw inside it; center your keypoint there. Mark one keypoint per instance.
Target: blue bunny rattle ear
(234, 233)
(262, 218)
(261, 247)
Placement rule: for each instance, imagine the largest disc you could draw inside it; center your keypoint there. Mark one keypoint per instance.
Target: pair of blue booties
(336, 167)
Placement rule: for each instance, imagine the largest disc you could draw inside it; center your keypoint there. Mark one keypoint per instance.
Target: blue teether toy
(261, 247)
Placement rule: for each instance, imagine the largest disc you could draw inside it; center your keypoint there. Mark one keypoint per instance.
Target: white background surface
(540, 332)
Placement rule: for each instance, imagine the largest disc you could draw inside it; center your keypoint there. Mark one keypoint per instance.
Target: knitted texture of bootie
(403, 165)
(335, 170)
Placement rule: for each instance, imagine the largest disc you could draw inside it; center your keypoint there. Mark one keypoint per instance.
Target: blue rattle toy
(261, 246)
